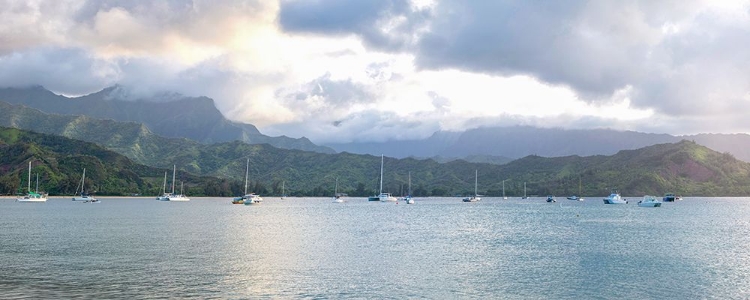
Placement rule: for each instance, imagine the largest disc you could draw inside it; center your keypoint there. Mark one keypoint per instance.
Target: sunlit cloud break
(339, 71)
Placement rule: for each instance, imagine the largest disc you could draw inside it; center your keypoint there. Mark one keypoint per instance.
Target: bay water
(438, 248)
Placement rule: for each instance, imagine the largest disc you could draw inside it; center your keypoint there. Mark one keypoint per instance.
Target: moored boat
(34, 196)
(86, 198)
(615, 198)
(476, 197)
(649, 201)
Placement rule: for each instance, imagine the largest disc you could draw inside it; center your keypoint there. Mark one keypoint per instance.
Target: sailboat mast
(83, 180)
(247, 167)
(164, 186)
(174, 170)
(381, 174)
(503, 188)
(28, 184)
(409, 183)
(475, 182)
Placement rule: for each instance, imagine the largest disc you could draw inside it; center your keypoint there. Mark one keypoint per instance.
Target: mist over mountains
(516, 142)
(167, 114)
(196, 118)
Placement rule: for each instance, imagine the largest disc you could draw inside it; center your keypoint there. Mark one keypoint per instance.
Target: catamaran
(34, 196)
(172, 196)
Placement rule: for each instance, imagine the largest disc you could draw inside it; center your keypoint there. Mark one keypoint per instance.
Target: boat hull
(649, 204)
(31, 199)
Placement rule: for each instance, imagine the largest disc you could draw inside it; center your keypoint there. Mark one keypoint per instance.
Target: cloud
(382, 24)
(335, 70)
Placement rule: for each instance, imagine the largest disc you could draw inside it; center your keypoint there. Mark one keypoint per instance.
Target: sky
(339, 71)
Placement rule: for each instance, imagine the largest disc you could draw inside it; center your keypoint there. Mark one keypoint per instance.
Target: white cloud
(377, 70)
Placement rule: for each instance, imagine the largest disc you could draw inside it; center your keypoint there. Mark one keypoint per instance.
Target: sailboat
(164, 195)
(336, 197)
(408, 198)
(252, 198)
(575, 197)
(241, 199)
(377, 197)
(474, 198)
(504, 198)
(524, 191)
(283, 193)
(384, 197)
(83, 196)
(34, 196)
(172, 196)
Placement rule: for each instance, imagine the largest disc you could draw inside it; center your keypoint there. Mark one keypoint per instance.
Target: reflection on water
(312, 248)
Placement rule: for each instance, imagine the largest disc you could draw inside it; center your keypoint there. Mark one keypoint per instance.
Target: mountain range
(508, 143)
(196, 118)
(166, 114)
(685, 167)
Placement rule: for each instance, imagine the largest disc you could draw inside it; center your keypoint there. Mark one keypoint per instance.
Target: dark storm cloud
(69, 71)
(370, 19)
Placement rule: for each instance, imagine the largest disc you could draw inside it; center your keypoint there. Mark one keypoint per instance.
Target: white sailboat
(524, 191)
(336, 197)
(172, 196)
(34, 196)
(384, 197)
(474, 198)
(241, 199)
(504, 197)
(83, 196)
(576, 197)
(164, 195)
(252, 198)
(283, 193)
(409, 199)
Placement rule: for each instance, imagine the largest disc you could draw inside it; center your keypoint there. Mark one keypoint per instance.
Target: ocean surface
(438, 248)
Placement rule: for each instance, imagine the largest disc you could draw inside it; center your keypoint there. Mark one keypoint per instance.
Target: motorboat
(252, 198)
(669, 197)
(551, 198)
(649, 201)
(615, 198)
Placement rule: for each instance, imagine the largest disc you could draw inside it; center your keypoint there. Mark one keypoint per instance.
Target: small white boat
(34, 196)
(476, 197)
(615, 198)
(408, 199)
(336, 197)
(387, 197)
(649, 201)
(252, 198)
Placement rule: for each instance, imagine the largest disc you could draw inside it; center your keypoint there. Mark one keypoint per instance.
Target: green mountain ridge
(685, 168)
(167, 114)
